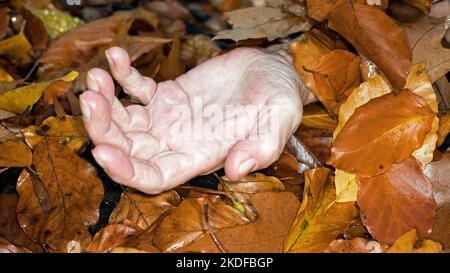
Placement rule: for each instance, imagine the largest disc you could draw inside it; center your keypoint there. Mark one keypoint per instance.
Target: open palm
(184, 127)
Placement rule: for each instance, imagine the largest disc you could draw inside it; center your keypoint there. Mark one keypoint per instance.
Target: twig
(213, 236)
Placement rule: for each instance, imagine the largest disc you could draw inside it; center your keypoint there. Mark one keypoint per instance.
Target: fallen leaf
(422, 5)
(8, 247)
(172, 66)
(346, 186)
(376, 36)
(425, 38)
(438, 173)
(17, 49)
(373, 138)
(14, 153)
(4, 76)
(287, 169)
(57, 207)
(10, 229)
(407, 244)
(357, 245)
(186, 223)
(34, 30)
(320, 219)
(335, 74)
(317, 140)
(112, 236)
(319, 9)
(262, 22)
(141, 209)
(397, 201)
(20, 99)
(127, 250)
(317, 117)
(444, 127)
(67, 130)
(4, 21)
(276, 212)
(78, 46)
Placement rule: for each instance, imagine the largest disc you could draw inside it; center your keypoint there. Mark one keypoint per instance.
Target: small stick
(213, 236)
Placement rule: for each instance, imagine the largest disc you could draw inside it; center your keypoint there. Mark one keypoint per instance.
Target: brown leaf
(425, 37)
(141, 209)
(320, 219)
(34, 29)
(422, 5)
(186, 223)
(318, 141)
(407, 243)
(10, 229)
(172, 66)
(376, 36)
(397, 201)
(262, 22)
(78, 46)
(287, 169)
(14, 153)
(276, 212)
(444, 127)
(336, 73)
(112, 236)
(441, 232)
(319, 9)
(4, 21)
(57, 207)
(8, 247)
(374, 138)
(66, 130)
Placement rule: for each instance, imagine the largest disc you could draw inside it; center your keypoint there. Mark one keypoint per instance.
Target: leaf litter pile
(367, 171)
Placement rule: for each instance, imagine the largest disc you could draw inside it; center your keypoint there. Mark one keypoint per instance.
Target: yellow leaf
(20, 99)
(14, 153)
(407, 242)
(317, 117)
(346, 186)
(419, 83)
(67, 130)
(17, 48)
(4, 76)
(56, 22)
(320, 219)
(127, 250)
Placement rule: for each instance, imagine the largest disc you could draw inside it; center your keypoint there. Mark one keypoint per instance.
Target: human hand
(158, 145)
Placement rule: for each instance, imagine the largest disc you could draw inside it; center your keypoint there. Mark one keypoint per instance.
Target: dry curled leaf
(57, 206)
(376, 36)
(373, 138)
(320, 219)
(141, 209)
(397, 201)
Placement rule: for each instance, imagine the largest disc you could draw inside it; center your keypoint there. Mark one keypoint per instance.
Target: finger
(263, 145)
(133, 83)
(97, 121)
(98, 80)
(152, 177)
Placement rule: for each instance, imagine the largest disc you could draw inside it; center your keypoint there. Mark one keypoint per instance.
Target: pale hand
(137, 146)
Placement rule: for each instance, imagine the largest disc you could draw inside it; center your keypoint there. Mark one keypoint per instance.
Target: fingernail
(108, 57)
(98, 160)
(247, 167)
(93, 82)
(85, 108)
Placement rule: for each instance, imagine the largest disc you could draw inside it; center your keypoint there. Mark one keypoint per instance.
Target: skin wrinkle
(242, 77)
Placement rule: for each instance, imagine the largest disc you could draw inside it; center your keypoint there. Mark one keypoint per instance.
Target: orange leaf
(397, 201)
(386, 130)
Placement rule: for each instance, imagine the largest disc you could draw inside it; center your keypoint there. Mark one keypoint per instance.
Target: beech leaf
(14, 153)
